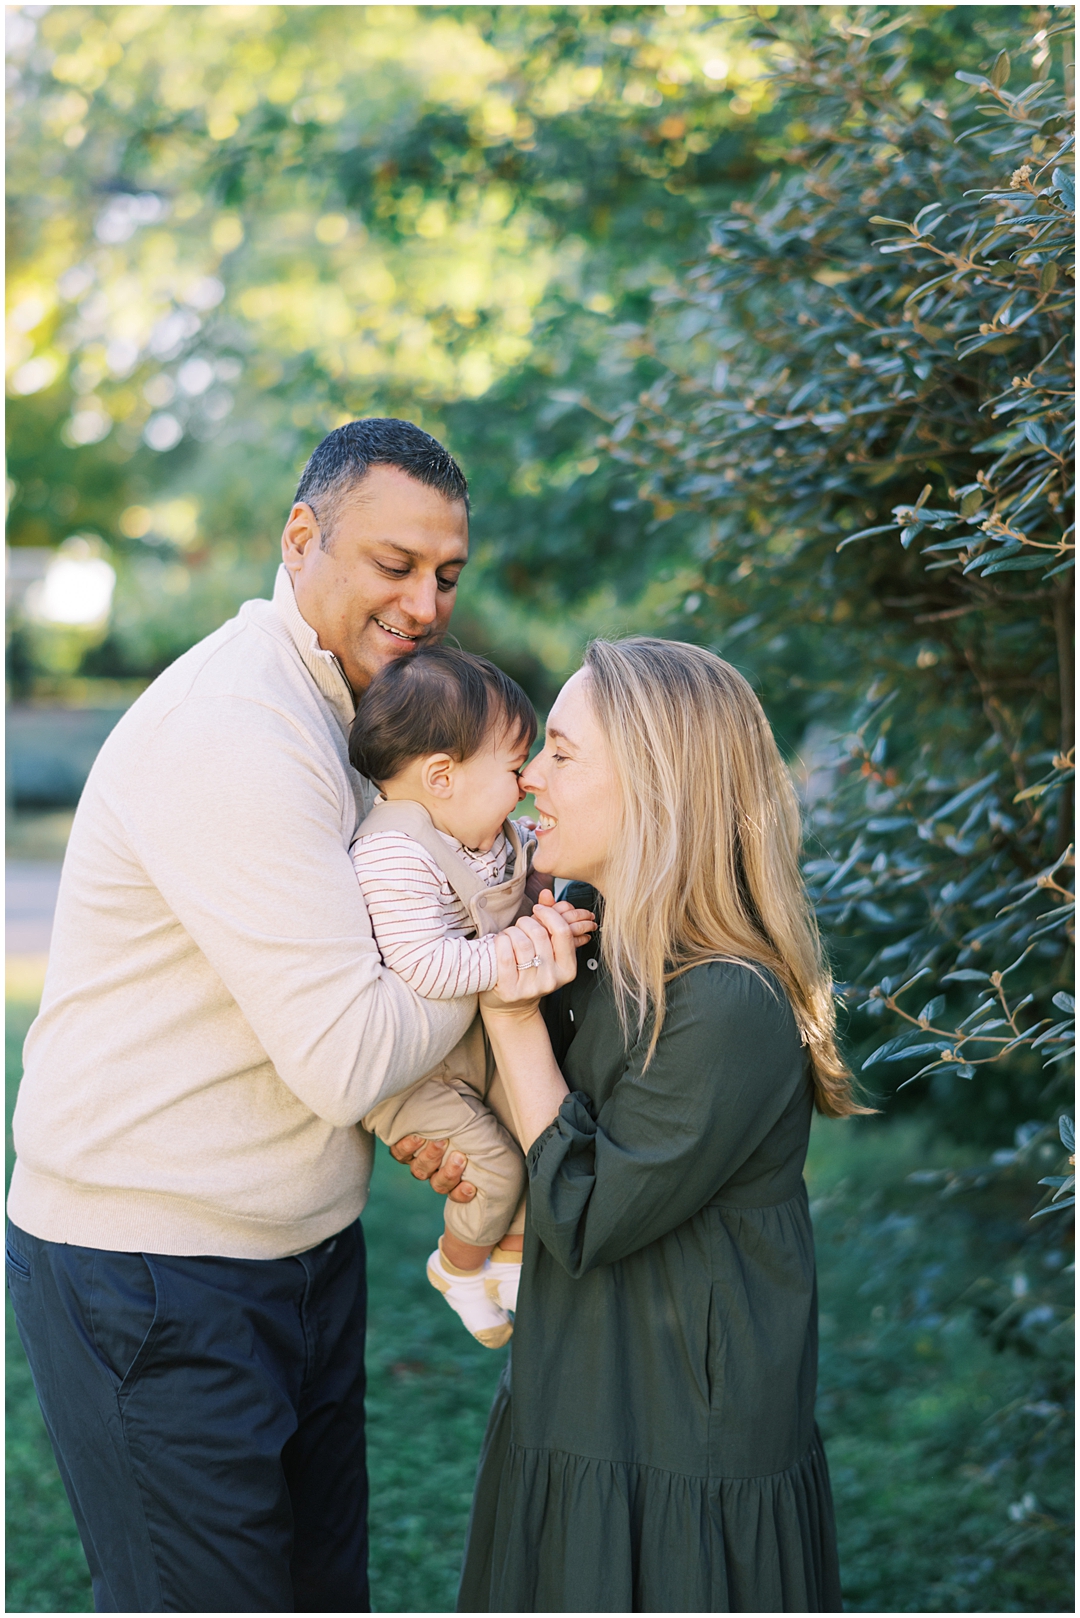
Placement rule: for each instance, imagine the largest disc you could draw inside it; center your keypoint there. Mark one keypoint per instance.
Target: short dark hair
(346, 455)
(435, 700)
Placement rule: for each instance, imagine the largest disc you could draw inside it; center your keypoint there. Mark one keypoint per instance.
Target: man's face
(388, 580)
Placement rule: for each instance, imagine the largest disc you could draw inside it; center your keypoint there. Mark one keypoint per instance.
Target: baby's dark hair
(438, 700)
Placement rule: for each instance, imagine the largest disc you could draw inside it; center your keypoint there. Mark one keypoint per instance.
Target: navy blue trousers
(207, 1416)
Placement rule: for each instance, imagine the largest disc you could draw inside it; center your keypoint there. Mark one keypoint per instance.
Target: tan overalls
(463, 1100)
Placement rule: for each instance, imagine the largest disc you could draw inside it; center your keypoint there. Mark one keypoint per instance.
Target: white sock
(468, 1296)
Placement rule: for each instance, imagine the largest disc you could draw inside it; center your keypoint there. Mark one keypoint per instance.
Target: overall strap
(414, 820)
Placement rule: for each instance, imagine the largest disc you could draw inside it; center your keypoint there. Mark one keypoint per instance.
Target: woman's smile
(574, 789)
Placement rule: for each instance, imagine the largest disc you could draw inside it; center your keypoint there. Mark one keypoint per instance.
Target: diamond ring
(536, 961)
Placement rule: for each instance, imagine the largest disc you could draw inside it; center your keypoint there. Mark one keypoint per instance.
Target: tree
(872, 351)
(232, 228)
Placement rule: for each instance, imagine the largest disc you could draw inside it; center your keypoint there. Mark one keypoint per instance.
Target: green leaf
(999, 73)
(965, 975)
(1015, 564)
(1063, 183)
(964, 797)
(919, 1050)
(1064, 1002)
(864, 533)
(1048, 278)
(880, 219)
(932, 1009)
(884, 1052)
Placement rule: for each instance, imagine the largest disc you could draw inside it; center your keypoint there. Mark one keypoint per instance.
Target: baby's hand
(582, 923)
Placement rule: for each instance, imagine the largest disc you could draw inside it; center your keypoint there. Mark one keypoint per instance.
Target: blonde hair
(705, 862)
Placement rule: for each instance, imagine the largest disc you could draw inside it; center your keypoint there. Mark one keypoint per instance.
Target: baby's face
(485, 791)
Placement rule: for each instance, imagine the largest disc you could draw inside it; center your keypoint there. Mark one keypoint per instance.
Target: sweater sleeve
(402, 888)
(243, 824)
(606, 1181)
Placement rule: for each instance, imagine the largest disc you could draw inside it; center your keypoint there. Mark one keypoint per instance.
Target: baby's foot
(502, 1272)
(466, 1293)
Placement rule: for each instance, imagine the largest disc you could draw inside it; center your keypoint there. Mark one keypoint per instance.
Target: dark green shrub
(865, 395)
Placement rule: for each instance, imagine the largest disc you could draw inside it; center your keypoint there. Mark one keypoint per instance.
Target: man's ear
(437, 775)
(300, 534)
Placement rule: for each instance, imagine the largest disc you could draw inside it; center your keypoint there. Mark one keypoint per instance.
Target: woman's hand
(536, 956)
(582, 923)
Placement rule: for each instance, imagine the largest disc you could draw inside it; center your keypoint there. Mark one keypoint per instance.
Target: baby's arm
(401, 888)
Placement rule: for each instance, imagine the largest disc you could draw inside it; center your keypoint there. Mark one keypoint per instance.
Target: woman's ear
(437, 775)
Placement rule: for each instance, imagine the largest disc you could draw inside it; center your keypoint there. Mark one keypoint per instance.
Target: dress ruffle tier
(583, 1535)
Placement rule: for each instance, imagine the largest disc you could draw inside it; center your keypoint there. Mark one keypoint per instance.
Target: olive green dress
(652, 1446)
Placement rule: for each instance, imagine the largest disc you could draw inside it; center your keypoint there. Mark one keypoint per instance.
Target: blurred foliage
(831, 405)
(950, 1459)
(232, 228)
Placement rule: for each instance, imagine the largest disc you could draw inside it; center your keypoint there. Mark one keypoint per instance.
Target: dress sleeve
(607, 1181)
(402, 888)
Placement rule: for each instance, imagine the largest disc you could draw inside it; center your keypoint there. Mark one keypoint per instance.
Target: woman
(653, 1448)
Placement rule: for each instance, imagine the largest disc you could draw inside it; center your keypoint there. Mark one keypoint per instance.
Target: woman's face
(576, 792)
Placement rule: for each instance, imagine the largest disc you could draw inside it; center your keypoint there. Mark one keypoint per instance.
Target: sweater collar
(323, 667)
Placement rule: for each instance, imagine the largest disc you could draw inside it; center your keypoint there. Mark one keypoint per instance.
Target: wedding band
(536, 961)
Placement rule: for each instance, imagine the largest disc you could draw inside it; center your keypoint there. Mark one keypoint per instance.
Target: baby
(443, 735)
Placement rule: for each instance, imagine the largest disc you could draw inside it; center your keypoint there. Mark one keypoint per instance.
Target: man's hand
(424, 1159)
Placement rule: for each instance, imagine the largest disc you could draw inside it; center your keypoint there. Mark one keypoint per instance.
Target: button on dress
(652, 1445)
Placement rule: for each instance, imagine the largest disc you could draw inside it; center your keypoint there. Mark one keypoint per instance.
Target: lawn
(912, 1402)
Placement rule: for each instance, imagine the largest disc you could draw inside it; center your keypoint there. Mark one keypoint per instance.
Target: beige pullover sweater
(216, 1016)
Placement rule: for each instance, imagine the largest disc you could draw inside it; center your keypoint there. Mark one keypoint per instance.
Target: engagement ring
(536, 961)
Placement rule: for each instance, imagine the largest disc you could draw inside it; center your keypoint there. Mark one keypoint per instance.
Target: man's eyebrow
(417, 556)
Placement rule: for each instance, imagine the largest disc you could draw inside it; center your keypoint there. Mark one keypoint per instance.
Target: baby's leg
(450, 1110)
(464, 1255)
(496, 1166)
(505, 1261)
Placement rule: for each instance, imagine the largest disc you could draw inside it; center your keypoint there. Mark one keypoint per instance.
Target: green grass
(915, 1404)
(46, 1569)
(932, 1434)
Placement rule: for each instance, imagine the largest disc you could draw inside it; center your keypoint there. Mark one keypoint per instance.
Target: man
(184, 1254)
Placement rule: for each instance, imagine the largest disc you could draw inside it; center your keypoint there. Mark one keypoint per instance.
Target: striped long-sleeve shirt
(418, 920)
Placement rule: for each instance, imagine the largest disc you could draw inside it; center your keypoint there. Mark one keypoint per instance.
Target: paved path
(29, 903)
